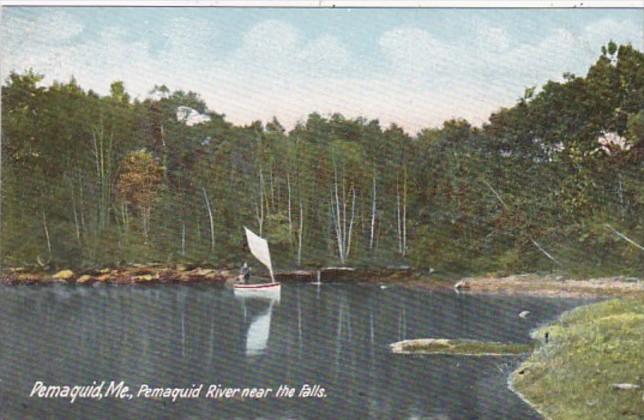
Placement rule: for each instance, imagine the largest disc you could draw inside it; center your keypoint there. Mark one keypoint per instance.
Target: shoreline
(590, 363)
(542, 285)
(512, 388)
(549, 285)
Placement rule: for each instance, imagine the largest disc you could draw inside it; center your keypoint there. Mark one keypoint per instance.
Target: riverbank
(590, 366)
(551, 285)
(134, 274)
(184, 273)
(524, 284)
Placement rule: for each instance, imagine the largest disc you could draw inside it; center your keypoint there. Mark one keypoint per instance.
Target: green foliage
(91, 180)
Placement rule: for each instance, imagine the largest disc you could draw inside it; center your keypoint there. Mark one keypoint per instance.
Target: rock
(64, 275)
(203, 272)
(142, 271)
(461, 285)
(625, 386)
(182, 277)
(85, 278)
(103, 277)
(144, 277)
(463, 347)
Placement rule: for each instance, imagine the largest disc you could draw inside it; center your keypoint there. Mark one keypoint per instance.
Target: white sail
(259, 248)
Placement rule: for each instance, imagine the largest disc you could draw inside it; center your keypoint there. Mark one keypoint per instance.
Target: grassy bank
(589, 349)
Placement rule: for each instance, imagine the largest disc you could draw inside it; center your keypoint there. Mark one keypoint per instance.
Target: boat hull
(262, 290)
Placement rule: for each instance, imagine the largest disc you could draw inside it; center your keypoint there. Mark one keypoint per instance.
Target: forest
(554, 183)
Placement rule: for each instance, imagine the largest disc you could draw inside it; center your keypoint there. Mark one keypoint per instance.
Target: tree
(138, 184)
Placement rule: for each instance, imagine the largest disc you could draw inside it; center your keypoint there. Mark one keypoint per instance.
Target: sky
(414, 67)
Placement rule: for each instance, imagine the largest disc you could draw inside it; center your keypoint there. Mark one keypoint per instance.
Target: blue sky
(416, 67)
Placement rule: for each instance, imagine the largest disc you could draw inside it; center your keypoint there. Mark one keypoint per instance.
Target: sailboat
(259, 248)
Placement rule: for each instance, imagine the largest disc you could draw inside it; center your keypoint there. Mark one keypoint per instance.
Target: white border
(514, 4)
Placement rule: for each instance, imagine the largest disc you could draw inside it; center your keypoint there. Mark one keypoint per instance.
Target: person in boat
(244, 273)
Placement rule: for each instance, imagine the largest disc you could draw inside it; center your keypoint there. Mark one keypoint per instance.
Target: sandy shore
(550, 285)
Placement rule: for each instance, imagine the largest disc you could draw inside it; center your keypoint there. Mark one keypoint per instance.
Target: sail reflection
(257, 322)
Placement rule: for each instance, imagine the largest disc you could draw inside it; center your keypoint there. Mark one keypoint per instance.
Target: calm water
(335, 336)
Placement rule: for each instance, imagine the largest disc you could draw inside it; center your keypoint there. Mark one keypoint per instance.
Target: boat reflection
(257, 322)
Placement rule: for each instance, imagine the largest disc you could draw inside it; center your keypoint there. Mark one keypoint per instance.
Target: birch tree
(211, 219)
(102, 152)
(346, 158)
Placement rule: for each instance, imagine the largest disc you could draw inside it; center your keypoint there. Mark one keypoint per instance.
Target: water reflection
(257, 322)
(334, 335)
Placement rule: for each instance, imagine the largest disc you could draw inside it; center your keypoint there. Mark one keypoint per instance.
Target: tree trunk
(260, 209)
(46, 230)
(624, 237)
(344, 215)
(183, 239)
(272, 191)
(300, 234)
(373, 212)
(336, 224)
(398, 219)
(620, 193)
(146, 211)
(535, 243)
(338, 220)
(404, 214)
(124, 216)
(102, 156)
(211, 220)
(164, 154)
(353, 212)
(290, 216)
(81, 203)
(75, 213)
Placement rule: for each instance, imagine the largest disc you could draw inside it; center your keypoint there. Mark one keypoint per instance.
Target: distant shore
(523, 284)
(132, 274)
(189, 273)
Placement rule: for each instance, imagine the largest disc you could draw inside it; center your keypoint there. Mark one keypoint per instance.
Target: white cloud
(413, 52)
(602, 31)
(324, 54)
(269, 41)
(276, 70)
(51, 28)
(492, 38)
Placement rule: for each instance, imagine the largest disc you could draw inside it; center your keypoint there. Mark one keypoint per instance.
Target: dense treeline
(553, 183)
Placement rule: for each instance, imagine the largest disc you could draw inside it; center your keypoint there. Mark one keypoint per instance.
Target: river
(335, 336)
